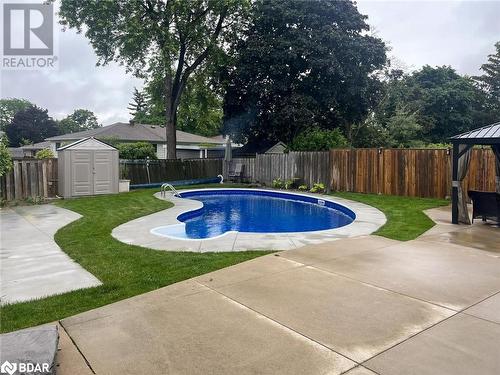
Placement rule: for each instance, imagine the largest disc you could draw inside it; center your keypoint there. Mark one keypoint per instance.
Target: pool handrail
(164, 187)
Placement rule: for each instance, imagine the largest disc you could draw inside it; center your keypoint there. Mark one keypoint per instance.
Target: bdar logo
(8, 368)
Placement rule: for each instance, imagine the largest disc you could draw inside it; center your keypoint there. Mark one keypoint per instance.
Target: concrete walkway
(32, 265)
(360, 306)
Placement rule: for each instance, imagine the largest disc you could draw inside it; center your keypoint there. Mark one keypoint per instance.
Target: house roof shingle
(37, 146)
(137, 132)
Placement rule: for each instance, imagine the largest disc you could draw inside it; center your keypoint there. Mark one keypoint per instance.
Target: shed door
(103, 172)
(82, 173)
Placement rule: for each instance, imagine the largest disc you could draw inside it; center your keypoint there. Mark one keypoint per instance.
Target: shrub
(303, 187)
(318, 140)
(5, 158)
(137, 150)
(318, 188)
(46, 153)
(289, 184)
(277, 183)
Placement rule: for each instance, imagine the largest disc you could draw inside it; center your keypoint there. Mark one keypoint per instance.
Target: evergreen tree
(489, 84)
(138, 107)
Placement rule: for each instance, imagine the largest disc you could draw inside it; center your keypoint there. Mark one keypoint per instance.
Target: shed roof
(87, 143)
(486, 135)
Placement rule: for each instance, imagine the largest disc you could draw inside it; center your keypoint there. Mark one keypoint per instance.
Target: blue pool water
(256, 211)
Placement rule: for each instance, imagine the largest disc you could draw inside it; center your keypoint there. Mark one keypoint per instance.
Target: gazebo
(462, 149)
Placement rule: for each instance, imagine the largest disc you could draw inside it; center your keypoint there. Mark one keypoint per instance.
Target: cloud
(78, 83)
(456, 33)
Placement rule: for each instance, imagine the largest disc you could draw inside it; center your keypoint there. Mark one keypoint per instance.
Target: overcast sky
(456, 33)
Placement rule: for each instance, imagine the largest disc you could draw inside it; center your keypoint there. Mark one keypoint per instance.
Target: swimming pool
(255, 211)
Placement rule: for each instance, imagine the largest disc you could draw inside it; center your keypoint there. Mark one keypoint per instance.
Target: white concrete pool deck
(138, 231)
(32, 264)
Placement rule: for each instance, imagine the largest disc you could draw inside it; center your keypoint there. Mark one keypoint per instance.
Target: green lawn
(127, 270)
(405, 217)
(124, 270)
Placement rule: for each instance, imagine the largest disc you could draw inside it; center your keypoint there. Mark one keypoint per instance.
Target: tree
(302, 64)
(138, 107)
(200, 108)
(403, 129)
(488, 97)
(79, 120)
(8, 108)
(441, 102)
(5, 158)
(490, 80)
(318, 140)
(46, 153)
(32, 124)
(162, 40)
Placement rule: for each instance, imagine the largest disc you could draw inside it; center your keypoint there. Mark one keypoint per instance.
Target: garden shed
(87, 167)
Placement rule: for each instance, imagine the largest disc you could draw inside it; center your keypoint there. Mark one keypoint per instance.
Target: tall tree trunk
(170, 110)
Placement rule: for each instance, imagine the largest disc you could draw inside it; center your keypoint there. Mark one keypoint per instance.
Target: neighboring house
(16, 152)
(278, 148)
(264, 147)
(189, 145)
(29, 151)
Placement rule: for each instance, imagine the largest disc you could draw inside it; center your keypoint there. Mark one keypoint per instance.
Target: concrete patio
(364, 305)
(32, 265)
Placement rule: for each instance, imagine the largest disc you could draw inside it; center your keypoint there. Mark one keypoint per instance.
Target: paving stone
(35, 346)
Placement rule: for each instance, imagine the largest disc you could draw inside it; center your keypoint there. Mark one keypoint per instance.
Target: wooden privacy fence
(409, 172)
(154, 171)
(264, 168)
(30, 178)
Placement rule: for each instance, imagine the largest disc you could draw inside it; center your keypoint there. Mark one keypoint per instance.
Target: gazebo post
(454, 185)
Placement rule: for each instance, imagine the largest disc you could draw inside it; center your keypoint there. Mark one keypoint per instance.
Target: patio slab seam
(284, 326)
(85, 359)
(360, 367)
(458, 313)
(453, 313)
(480, 317)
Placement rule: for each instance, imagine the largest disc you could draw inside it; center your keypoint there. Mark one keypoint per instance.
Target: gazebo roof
(486, 135)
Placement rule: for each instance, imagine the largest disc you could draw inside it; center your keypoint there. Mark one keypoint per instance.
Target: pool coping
(138, 231)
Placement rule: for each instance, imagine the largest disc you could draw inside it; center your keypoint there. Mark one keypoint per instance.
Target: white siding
(161, 151)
